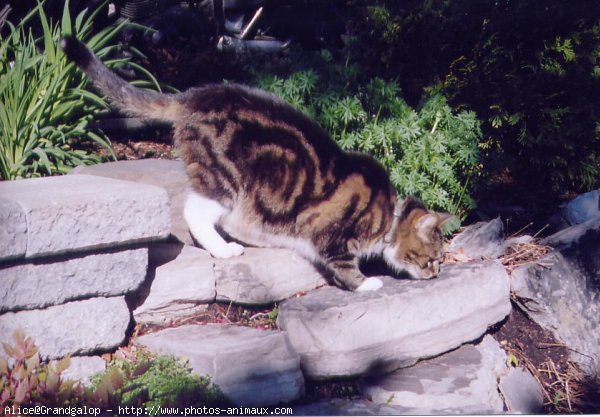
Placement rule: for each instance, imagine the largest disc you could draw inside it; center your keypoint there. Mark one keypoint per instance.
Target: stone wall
(84, 257)
(72, 248)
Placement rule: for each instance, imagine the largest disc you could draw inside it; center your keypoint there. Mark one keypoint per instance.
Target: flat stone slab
(13, 230)
(75, 328)
(82, 212)
(522, 392)
(163, 173)
(264, 276)
(465, 379)
(180, 279)
(340, 333)
(51, 281)
(353, 407)
(251, 367)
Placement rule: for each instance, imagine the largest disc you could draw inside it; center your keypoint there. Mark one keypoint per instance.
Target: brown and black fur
(278, 170)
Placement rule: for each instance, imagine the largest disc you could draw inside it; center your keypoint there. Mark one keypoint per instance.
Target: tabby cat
(267, 175)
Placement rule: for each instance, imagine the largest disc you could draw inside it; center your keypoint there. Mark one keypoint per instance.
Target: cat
(267, 175)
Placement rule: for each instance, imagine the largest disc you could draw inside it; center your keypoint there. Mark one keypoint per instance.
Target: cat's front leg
(345, 273)
(201, 215)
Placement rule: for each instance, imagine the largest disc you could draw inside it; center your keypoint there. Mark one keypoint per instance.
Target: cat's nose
(432, 270)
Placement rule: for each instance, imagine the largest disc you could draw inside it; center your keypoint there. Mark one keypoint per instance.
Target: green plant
(147, 380)
(431, 153)
(139, 379)
(531, 72)
(46, 111)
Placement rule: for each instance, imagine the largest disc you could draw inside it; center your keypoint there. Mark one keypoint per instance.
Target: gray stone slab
(50, 281)
(75, 328)
(353, 407)
(181, 279)
(342, 333)
(82, 212)
(13, 230)
(251, 367)
(264, 276)
(522, 392)
(169, 175)
(481, 240)
(82, 368)
(465, 379)
(561, 292)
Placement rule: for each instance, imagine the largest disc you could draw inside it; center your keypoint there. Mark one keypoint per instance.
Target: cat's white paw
(370, 284)
(228, 250)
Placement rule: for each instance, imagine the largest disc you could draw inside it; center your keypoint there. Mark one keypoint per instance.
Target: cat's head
(415, 242)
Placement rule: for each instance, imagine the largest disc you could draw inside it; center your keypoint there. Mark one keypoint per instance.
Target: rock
(82, 212)
(264, 276)
(522, 392)
(561, 292)
(75, 328)
(583, 208)
(82, 368)
(180, 280)
(480, 240)
(169, 175)
(52, 281)
(463, 381)
(13, 230)
(251, 367)
(571, 236)
(353, 407)
(341, 333)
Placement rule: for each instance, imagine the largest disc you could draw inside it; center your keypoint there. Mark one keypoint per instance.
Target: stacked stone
(71, 249)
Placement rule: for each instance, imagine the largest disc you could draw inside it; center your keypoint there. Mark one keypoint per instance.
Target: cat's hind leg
(202, 215)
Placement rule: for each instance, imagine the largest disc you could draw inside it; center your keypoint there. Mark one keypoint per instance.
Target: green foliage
(530, 71)
(45, 112)
(431, 152)
(141, 379)
(149, 381)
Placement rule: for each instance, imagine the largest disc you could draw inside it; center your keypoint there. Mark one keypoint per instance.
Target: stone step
(561, 292)
(340, 333)
(56, 280)
(180, 281)
(80, 212)
(13, 230)
(264, 276)
(251, 367)
(75, 328)
(465, 379)
(169, 175)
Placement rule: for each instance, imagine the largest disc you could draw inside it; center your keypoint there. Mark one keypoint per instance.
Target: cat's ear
(444, 218)
(426, 224)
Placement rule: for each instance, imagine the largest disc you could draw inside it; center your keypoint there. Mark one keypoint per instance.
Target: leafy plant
(431, 152)
(531, 73)
(141, 379)
(46, 111)
(150, 381)
(26, 379)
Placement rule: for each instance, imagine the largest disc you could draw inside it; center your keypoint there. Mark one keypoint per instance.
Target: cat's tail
(124, 96)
